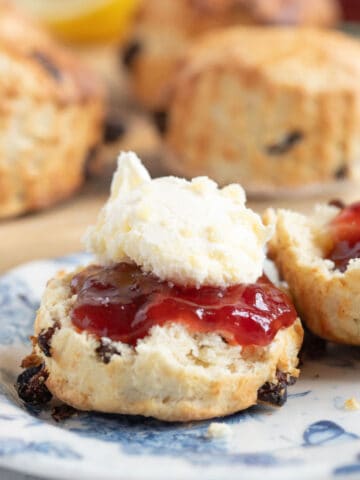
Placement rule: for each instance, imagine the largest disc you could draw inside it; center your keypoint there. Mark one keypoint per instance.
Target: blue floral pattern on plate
(312, 436)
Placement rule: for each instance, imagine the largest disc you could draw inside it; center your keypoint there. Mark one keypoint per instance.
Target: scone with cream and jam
(176, 319)
(319, 256)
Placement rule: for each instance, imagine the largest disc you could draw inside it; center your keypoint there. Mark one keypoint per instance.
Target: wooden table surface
(58, 231)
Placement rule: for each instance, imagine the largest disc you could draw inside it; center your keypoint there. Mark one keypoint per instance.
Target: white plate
(312, 436)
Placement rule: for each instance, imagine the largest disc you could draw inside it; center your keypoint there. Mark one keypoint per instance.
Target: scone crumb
(352, 404)
(218, 430)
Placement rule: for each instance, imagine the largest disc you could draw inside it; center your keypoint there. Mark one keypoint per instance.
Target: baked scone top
(309, 59)
(281, 12)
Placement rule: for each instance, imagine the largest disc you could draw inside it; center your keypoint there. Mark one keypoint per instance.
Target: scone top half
(51, 116)
(319, 257)
(275, 109)
(165, 29)
(175, 319)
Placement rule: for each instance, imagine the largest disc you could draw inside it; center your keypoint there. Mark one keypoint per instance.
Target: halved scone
(170, 374)
(327, 299)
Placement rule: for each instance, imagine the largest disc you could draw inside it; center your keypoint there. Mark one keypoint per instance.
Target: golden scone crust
(327, 300)
(275, 108)
(51, 114)
(171, 375)
(166, 28)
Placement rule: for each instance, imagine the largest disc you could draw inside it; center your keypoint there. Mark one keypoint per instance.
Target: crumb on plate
(218, 430)
(352, 404)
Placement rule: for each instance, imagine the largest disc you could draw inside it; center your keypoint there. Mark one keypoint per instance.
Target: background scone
(51, 114)
(170, 374)
(328, 300)
(166, 28)
(275, 108)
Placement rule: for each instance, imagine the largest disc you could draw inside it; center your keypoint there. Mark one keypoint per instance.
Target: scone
(319, 257)
(51, 114)
(176, 319)
(166, 28)
(276, 109)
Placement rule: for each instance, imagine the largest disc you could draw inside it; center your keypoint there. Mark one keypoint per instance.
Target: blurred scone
(275, 109)
(171, 374)
(327, 298)
(51, 114)
(166, 28)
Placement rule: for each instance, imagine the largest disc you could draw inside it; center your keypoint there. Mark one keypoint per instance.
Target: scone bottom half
(172, 373)
(319, 257)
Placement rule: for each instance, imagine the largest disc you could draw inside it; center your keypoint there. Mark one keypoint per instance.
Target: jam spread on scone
(123, 303)
(345, 231)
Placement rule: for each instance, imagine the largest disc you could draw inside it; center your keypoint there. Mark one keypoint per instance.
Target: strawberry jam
(123, 303)
(345, 230)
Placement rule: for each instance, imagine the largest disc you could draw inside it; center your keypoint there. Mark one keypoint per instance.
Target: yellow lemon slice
(84, 20)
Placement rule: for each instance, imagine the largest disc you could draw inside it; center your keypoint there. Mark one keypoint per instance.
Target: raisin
(63, 412)
(114, 128)
(47, 64)
(341, 172)
(44, 338)
(31, 388)
(106, 350)
(160, 120)
(336, 202)
(130, 53)
(32, 360)
(287, 143)
(276, 393)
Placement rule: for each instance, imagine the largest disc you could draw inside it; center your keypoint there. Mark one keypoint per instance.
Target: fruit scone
(319, 257)
(257, 106)
(175, 319)
(165, 29)
(51, 116)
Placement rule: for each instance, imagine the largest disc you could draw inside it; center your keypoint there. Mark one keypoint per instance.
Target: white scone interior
(170, 374)
(327, 300)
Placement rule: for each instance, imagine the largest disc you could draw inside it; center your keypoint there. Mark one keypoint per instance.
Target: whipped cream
(186, 232)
